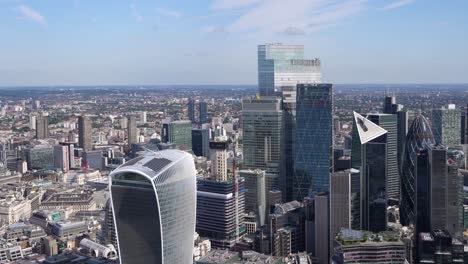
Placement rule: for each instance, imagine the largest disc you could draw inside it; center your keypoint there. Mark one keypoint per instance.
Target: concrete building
(286, 229)
(219, 158)
(14, 208)
(84, 133)
(154, 200)
(132, 131)
(42, 127)
(71, 201)
(353, 246)
(69, 230)
(98, 250)
(61, 158)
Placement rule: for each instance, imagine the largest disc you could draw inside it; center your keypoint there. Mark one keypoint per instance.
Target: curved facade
(154, 202)
(419, 137)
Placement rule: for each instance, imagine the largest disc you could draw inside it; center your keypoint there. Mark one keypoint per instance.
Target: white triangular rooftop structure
(367, 129)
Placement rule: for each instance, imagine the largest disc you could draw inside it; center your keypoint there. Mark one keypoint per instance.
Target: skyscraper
(42, 127)
(218, 157)
(446, 125)
(391, 107)
(419, 137)
(261, 122)
(132, 132)
(179, 133)
(84, 133)
(143, 119)
(154, 203)
(201, 142)
(282, 67)
(255, 195)
(32, 121)
(313, 139)
(389, 122)
(372, 162)
(191, 110)
(203, 112)
(464, 126)
(221, 211)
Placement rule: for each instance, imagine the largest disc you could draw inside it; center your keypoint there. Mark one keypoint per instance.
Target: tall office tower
(255, 195)
(42, 127)
(84, 133)
(154, 202)
(446, 125)
(419, 137)
(464, 126)
(203, 113)
(179, 133)
(391, 107)
(32, 122)
(61, 158)
(191, 110)
(344, 201)
(132, 132)
(201, 142)
(218, 157)
(314, 135)
(221, 211)
(389, 122)
(317, 227)
(370, 157)
(282, 67)
(262, 119)
(37, 104)
(71, 153)
(143, 118)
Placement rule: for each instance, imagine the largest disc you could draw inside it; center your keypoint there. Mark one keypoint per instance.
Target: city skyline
(143, 42)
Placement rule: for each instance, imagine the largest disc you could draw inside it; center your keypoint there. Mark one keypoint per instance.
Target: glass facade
(201, 142)
(154, 201)
(261, 122)
(313, 139)
(419, 137)
(203, 117)
(180, 133)
(446, 126)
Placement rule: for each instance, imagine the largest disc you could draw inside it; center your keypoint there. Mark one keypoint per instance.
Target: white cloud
(214, 29)
(397, 4)
(31, 14)
(232, 4)
(168, 12)
(283, 16)
(135, 14)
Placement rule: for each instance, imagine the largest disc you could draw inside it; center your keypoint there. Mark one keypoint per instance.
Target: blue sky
(88, 42)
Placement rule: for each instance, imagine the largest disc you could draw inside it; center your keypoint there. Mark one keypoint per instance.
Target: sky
(138, 42)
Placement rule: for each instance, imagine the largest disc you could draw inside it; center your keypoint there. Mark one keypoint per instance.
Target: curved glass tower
(419, 137)
(154, 202)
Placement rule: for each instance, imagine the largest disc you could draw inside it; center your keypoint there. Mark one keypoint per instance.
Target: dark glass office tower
(42, 127)
(84, 133)
(191, 110)
(201, 142)
(313, 139)
(372, 153)
(464, 126)
(389, 122)
(203, 112)
(423, 191)
(419, 137)
(154, 203)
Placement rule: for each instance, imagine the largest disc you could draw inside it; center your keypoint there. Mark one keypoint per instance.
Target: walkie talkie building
(154, 205)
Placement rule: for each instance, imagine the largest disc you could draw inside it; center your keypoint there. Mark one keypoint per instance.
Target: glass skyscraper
(446, 125)
(419, 137)
(313, 139)
(280, 69)
(261, 122)
(154, 201)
